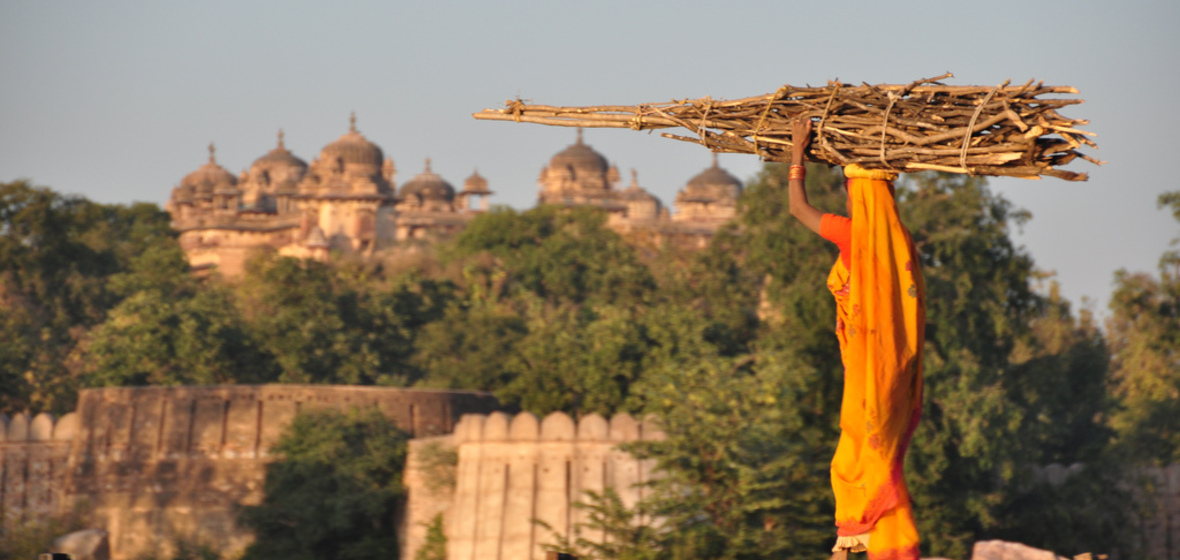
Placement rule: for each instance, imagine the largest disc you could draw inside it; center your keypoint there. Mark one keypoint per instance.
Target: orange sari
(880, 322)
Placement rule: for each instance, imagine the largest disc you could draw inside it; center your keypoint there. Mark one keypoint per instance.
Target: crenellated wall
(514, 469)
(33, 457)
(155, 465)
(158, 465)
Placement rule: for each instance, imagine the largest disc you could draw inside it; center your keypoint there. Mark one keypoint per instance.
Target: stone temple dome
(353, 148)
(207, 179)
(279, 158)
(429, 186)
(582, 159)
(713, 183)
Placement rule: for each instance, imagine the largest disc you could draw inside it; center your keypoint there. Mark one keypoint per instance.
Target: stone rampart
(159, 465)
(33, 464)
(514, 469)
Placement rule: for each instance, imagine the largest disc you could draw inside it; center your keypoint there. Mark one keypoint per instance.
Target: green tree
(557, 253)
(745, 472)
(334, 490)
(326, 324)
(57, 257)
(577, 359)
(1144, 337)
(150, 339)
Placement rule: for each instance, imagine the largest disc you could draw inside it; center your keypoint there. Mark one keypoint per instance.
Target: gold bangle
(796, 172)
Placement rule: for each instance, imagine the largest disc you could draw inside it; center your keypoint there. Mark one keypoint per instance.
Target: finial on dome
(211, 150)
(634, 177)
(352, 122)
(281, 146)
(428, 165)
(579, 136)
(715, 166)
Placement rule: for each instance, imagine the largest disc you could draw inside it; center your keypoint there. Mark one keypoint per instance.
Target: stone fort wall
(33, 464)
(157, 465)
(514, 469)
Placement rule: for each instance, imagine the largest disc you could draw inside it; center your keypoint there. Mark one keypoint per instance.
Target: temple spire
(634, 178)
(715, 166)
(281, 146)
(352, 122)
(579, 136)
(212, 149)
(428, 165)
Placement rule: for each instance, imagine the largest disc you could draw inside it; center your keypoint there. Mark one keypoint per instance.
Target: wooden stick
(1007, 129)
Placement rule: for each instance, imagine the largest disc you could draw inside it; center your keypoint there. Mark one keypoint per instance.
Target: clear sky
(117, 100)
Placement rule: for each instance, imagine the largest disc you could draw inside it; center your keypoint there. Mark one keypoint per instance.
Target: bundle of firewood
(1012, 130)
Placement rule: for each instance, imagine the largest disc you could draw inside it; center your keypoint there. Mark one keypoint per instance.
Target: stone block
(90, 544)
(18, 428)
(623, 427)
(593, 427)
(1004, 550)
(41, 428)
(462, 527)
(469, 428)
(66, 427)
(208, 430)
(178, 421)
(555, 473)
(496, 480)
(495, 428)
(524, 427)
(145, 428)
(278, 410)
(16, 460)
(517, 528)
(558, 426)
(241, 425)
(117, 428)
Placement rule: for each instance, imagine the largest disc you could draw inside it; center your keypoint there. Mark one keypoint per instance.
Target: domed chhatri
(208, 178)
(476, 184)
(710, 198)
(578, 175)
(713, 184)
(279, 158)
(428, 186)
(272, 180)
(580, 158)
(352, 149)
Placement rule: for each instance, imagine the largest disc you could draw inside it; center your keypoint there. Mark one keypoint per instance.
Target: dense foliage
(332, 494)
(730, 346)
(1144, 332)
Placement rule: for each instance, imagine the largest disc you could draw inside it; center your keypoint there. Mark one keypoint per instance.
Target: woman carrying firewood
(880, 323)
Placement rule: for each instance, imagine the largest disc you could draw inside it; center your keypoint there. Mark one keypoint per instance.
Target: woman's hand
(800, 139)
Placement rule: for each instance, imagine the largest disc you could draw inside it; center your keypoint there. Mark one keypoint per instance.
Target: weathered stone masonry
(514, 469)
(155, 465)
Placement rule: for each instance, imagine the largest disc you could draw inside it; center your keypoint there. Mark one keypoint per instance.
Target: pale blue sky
(117, 100)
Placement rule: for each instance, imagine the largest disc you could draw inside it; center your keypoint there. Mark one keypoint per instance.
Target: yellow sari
(880, 322)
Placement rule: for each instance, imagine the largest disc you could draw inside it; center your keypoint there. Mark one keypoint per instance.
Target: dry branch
(1012, 130)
